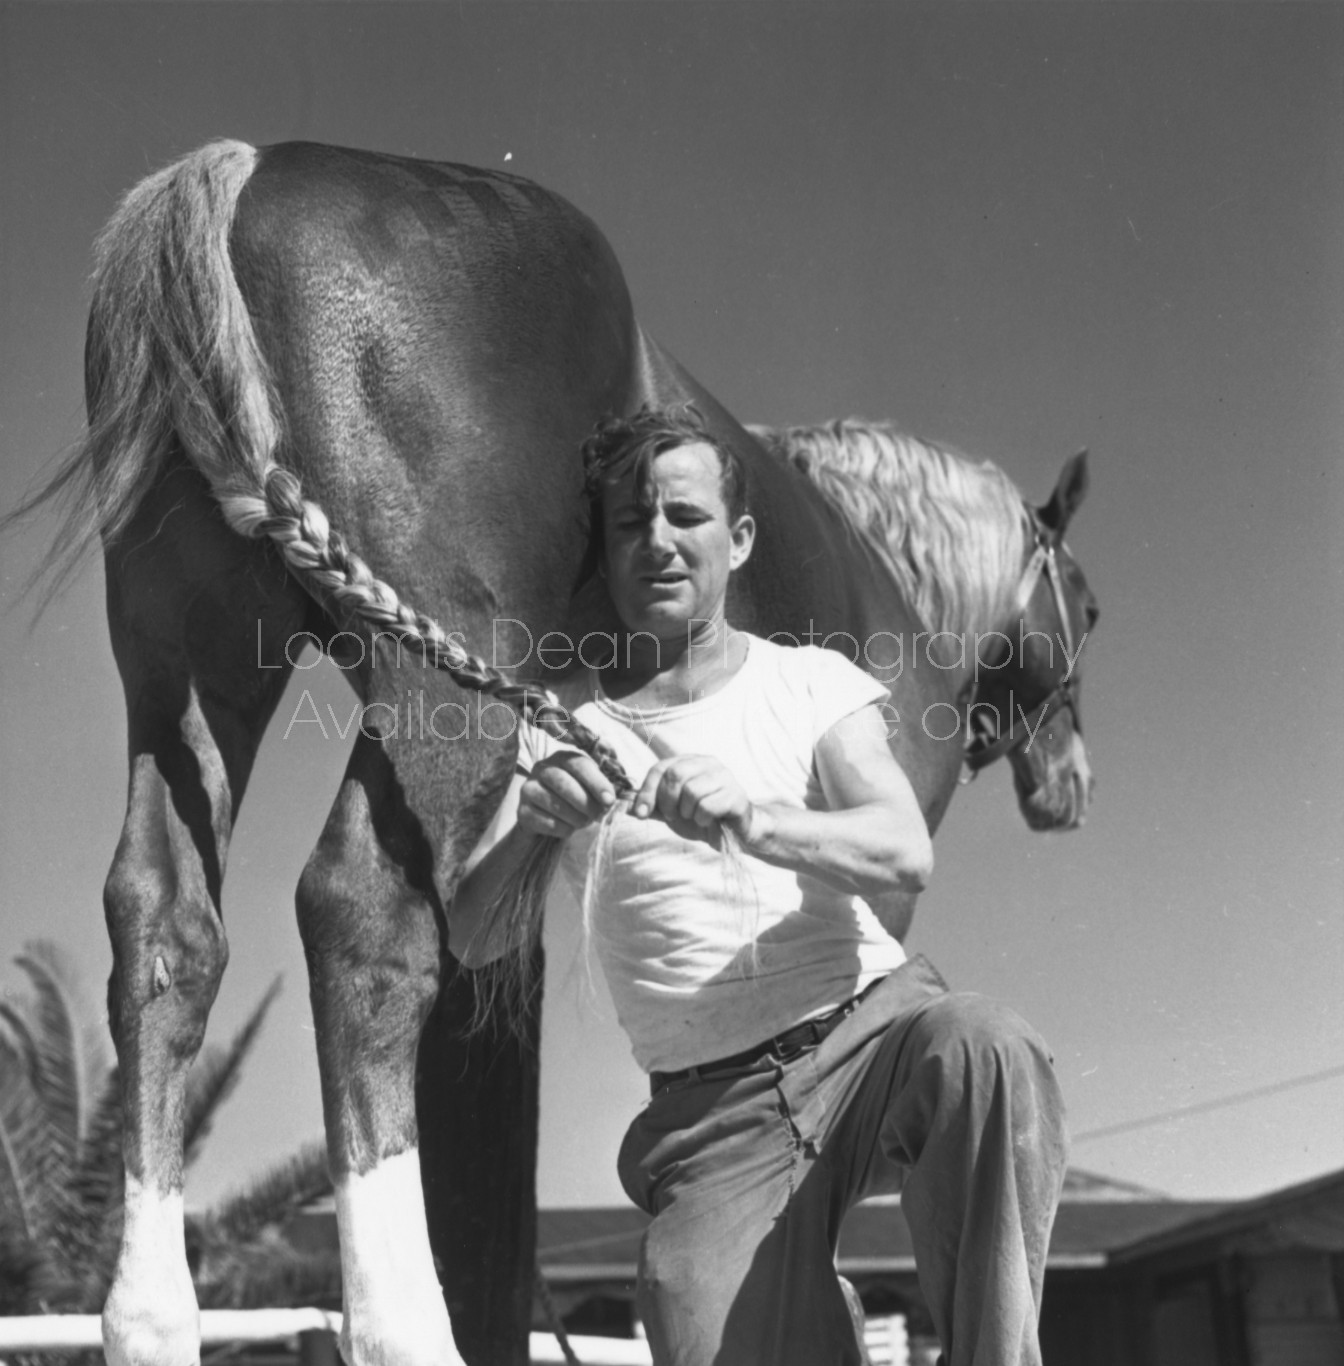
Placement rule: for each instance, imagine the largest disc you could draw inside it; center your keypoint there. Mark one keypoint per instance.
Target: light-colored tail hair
(170, 355)
(172, 362)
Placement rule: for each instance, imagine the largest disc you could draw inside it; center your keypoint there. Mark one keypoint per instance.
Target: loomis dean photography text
(882, 653)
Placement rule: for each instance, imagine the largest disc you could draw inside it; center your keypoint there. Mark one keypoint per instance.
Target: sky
(1018, 229)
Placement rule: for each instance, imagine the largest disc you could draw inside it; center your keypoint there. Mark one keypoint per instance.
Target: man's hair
(629, 445)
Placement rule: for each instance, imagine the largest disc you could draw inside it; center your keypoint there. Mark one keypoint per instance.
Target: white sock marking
(151, 1318)
(394, 1310)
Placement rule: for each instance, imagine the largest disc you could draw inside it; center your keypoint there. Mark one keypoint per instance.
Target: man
(798, 1062)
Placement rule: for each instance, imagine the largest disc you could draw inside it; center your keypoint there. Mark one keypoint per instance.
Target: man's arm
(501, 849)
(872, 841)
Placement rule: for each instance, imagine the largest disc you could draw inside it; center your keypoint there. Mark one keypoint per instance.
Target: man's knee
(972, 1056)
(680, 1298)
(968, 1031)
(670, 1275)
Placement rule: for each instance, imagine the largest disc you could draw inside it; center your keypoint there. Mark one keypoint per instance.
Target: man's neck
(685, 668)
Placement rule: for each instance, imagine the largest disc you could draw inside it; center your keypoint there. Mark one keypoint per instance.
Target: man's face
(667, 556)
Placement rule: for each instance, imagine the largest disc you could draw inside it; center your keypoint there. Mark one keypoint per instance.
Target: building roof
(1080, 1184)
(603, 1244)
(1101, 1223)
(1305, 1217)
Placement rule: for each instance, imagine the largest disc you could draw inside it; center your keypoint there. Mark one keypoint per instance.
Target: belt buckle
(793, 1051)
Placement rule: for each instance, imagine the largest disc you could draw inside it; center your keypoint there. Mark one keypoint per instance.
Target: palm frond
(97, 1178)
(70, 1043)
(268, 1201)
(25, 1151)
(53, 1075)
(94, 1281)
(17, 1032)
(238, 1248)
(216, 1074)
(269, 1273)
(99, 1261)
(90, 1213)
(19, 1265)
(62, 1179)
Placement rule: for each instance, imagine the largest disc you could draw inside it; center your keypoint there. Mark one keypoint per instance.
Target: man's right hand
(563, 793)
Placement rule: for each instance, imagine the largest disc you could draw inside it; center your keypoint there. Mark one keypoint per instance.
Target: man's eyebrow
(671, 505)
(686, 505)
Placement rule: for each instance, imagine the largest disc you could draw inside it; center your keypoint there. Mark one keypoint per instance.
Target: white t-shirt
(706, 955)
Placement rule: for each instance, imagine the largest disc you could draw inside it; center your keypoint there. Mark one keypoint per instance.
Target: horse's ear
(1069, 493)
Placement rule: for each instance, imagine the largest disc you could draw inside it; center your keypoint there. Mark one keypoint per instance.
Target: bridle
(980, 750)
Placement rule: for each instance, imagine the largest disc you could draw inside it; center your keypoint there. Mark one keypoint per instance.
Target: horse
(339, 397)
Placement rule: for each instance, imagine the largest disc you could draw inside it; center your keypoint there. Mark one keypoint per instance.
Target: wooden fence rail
(312, 1331)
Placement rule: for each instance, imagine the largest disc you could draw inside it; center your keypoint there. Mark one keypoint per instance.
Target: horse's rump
(441, 339)
(385, 366)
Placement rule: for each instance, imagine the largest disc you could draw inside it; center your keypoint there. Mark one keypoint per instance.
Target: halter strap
(981, 753)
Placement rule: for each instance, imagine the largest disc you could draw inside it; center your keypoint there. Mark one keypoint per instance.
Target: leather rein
(980, 750)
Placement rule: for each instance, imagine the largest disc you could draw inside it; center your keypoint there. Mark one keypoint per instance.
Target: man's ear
(744, 537)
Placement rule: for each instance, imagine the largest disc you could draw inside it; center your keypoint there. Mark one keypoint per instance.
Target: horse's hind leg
(185, 597)
(373, 930)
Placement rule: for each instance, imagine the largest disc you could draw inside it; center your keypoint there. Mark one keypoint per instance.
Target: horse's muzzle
(1060, 798)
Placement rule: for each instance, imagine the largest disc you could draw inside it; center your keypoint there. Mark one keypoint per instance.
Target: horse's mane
(951, 531)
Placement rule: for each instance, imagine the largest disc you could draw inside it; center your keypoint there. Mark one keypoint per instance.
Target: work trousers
(948, 1098)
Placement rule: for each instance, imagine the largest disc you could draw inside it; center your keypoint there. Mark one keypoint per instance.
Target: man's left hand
(697, 796)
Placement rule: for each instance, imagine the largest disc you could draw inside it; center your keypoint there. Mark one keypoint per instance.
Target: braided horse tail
(172, 360)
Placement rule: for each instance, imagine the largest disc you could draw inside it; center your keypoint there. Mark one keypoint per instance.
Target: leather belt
(785, 1047)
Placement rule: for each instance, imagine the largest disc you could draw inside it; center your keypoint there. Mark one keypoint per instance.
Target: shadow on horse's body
(425, 347)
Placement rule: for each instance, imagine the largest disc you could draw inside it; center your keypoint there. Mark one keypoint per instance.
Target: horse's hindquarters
(441, 343)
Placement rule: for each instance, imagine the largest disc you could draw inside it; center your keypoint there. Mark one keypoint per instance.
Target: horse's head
(1026, 700)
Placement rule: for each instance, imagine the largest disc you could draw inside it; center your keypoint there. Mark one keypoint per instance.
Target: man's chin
(665, 615)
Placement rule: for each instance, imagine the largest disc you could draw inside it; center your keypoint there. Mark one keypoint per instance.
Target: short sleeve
(838, 689)
(535, 744)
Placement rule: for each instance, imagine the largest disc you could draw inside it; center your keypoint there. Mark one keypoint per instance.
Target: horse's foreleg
(368, 914)
(169, 952)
